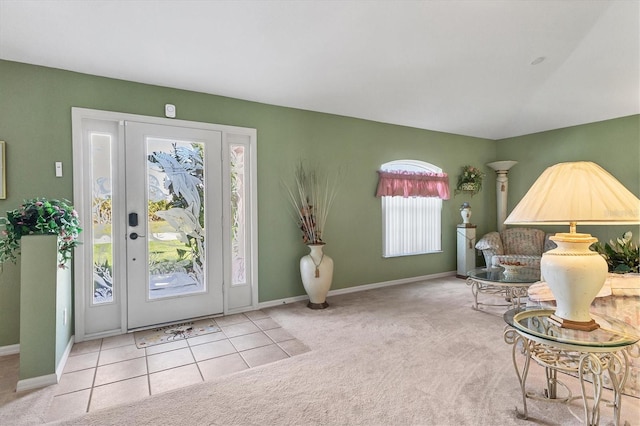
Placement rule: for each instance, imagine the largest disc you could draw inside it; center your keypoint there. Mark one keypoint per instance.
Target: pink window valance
(413, 184)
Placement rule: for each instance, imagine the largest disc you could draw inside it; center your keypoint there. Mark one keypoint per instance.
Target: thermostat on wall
(170, 111)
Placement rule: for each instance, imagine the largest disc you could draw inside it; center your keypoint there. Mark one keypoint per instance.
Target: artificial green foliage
(471, 177)
(621, 255)
(40, 216)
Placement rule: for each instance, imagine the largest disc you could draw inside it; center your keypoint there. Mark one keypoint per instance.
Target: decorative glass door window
(238, 215)
(102, 218)
(175, 217)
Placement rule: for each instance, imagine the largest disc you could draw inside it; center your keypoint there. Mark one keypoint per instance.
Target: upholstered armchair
(524, 245)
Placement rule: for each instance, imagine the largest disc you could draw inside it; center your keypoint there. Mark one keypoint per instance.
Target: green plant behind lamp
(568, 194)
(622, 255)
(39, 216)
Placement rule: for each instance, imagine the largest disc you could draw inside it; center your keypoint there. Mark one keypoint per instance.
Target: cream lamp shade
(571, 193)
(580, 192)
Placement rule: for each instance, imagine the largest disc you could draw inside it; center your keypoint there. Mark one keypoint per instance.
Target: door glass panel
(101, 170)
(175, 219)
(238, 228)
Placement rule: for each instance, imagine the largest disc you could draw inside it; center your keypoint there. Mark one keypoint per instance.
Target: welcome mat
(174, 332)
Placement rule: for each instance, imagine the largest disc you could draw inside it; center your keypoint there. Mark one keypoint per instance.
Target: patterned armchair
(524, 245)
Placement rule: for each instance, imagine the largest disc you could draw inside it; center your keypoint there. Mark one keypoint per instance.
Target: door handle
(134, 235)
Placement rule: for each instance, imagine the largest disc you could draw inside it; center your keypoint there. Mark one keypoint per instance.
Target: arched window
(412, 224)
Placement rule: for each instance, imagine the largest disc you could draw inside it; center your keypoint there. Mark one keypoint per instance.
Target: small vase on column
(465, 212)
(316, 271)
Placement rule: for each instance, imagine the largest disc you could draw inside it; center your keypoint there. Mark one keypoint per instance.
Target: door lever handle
(134, 235)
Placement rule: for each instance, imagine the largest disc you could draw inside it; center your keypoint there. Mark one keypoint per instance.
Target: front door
(173, 223)
(169, 221)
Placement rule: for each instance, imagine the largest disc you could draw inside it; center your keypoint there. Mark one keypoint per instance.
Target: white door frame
(238, 297)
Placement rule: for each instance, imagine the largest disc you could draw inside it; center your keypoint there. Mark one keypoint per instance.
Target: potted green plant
(40, 216)
(470, 180)
(622, 255)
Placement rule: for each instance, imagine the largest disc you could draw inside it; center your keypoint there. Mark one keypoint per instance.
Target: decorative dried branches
(311, 198)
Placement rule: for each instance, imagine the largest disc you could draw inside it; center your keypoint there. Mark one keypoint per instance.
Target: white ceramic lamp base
(575, 275)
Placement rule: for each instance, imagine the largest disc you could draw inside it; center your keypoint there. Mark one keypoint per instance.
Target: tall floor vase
(316, 271)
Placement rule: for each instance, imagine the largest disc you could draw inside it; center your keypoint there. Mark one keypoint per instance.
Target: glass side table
(587, 354)
(497, 281)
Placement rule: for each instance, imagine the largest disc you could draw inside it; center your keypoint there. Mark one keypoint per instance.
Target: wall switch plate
(58, 168)
(170, 111)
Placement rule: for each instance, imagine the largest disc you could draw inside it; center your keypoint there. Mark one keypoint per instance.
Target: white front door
(169, 221)
(174, 223)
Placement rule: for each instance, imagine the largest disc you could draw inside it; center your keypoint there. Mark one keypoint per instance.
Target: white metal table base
(589, 366)
(511, 292)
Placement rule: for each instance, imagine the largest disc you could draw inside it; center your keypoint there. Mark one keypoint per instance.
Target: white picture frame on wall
(3, 174)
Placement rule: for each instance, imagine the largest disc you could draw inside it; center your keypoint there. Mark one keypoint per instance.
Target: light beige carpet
(415, 354)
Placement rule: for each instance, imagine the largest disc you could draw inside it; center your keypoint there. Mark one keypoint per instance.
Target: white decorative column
(466, 239)
(502, 186)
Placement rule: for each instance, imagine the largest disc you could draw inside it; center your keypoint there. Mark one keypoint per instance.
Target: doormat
(172, 333)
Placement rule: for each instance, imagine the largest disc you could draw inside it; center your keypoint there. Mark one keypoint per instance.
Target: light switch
(58, 168)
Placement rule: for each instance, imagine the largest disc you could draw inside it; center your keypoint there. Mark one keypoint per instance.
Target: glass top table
(500, 275)
(536, 324)
(510, 285)
(588, 355)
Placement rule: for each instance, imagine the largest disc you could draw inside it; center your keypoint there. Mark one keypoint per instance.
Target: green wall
(46, 293)
(35, 111)
(613, 144)
(35, 106)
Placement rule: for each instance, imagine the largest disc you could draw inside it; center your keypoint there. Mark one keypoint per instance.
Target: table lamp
(571, 193)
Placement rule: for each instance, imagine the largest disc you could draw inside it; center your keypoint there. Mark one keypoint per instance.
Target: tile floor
(105, 372)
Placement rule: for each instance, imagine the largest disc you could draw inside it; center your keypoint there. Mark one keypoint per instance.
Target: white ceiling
(461, 67)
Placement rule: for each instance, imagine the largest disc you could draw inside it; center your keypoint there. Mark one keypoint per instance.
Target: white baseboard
(65, 356)
(36, 382)
(364, 287)
(285, 301)
(10, 349)
(49, 379)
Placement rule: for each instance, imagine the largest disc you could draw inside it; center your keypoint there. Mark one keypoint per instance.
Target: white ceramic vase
(466, 215)
(316, 271)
